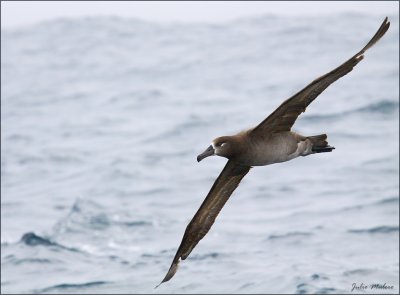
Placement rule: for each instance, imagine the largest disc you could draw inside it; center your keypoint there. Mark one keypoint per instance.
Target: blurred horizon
(22, 13)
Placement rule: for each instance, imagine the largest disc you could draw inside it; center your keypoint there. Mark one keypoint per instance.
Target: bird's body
(273, 148)
(271, 141)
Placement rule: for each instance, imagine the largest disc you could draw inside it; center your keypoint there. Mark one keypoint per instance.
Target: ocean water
(101, 122)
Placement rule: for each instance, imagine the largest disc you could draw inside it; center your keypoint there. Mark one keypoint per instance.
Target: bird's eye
(222, 144)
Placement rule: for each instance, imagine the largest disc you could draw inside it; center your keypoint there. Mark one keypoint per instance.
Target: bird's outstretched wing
(204, 218)
(283, 118)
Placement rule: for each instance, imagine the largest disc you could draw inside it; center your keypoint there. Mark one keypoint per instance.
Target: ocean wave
(374, 230)
(310, 288)
(381, 107)
(87, 215)
(316, 277)
(14, 260)
(31, 239)
(246, 285)
(66, 287)
(34, 260)
(384, 107)
(290, 235)
(387, 159)
(327, 291)
(386, 201)
(205, 256)
(359, 271)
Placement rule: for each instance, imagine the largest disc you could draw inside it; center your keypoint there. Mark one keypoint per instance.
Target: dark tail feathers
(320, 145)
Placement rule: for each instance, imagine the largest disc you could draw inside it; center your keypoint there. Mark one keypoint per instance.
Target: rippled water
(101, 123)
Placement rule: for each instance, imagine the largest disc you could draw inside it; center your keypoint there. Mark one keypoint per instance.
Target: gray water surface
(101, 122)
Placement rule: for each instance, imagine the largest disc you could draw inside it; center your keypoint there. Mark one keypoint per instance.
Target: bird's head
(225, 146)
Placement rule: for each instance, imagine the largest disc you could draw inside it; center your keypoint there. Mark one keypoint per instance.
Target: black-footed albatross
(272, 141)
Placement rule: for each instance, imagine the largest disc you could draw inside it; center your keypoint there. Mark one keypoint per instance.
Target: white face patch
(215, 147)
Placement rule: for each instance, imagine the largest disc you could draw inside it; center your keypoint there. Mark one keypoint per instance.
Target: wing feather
(283, 118)
(204, 218)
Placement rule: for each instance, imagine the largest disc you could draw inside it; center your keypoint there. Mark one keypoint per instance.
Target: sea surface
(101, 122)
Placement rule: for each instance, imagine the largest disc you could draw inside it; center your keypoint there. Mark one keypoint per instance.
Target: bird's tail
(319, 144)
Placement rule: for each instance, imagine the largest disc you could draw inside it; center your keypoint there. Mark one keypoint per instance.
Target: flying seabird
(272, 141)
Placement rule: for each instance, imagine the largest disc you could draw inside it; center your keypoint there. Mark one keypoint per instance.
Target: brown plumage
(201, 223)
(272, 141)
(283, 118)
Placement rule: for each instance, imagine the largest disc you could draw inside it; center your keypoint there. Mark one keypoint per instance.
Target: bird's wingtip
(171, 272)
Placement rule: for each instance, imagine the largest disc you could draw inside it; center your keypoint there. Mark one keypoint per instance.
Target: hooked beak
(208, 152)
